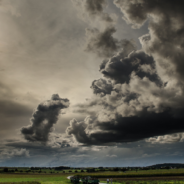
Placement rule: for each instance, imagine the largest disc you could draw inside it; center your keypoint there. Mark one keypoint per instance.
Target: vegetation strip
(130, 175)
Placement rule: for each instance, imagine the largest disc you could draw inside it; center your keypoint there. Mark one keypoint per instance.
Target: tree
(5, 169)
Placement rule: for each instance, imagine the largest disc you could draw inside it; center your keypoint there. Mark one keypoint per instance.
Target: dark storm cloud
(104, 44)
(101, 87)
(166, 29)
(77, 129)
(119, 68)
(146, 96)
(125, 129)
(136, 12)
(44, 118)
(132, 104)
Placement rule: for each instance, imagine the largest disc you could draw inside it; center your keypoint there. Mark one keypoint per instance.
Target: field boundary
(131, 175)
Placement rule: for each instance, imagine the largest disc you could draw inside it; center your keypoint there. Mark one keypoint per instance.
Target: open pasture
(41, 178)
(172, 176)
(140, 173)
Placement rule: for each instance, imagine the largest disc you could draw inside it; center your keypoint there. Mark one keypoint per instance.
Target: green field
(46, 179)
(141, 173)
(61, 178)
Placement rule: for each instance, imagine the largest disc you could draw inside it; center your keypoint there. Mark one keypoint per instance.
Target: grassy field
(141, 173)
(46, 179)
(130, 177)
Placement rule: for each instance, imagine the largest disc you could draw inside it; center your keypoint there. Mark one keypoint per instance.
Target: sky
(91, 83)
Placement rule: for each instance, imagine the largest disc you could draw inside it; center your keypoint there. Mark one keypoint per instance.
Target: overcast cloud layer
(113, 70)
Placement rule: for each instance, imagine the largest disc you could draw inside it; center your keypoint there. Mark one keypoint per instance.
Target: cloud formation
(99, 36)
(141, 92)
(120, 66)
(104, 44)
(166, 29)
(44, 118)
(167, 139)
(94, 9)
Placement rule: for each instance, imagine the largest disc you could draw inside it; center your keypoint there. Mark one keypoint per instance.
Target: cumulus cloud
(44, 118)
(104, 44)
(123, 129)
(172, 138)
(165, 38)
(119, 67)
(141, 92)
(101, 87)
(61, 141)
(130, 103)
(77, 129)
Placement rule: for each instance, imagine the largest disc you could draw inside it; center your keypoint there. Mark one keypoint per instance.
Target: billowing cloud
(119, 67)
(104, 44)
(123, 129)
(101, 87)
(166, 29)
(137, 98)
(44, 118)
(166, 139)
(141, 92)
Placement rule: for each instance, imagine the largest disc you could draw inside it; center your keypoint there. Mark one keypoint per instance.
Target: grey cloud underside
(130, 103)
(141, 92)
(44, 118)
(127, 129)
(101, 86)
